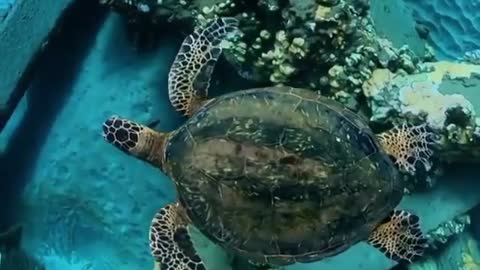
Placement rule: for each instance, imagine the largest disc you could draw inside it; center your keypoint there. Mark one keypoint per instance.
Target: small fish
(153, 123)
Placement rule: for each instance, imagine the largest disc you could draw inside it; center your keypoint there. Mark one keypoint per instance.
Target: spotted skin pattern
(189, 76)
(122, 133)
(408, 145)
(170, 243)
(400, 238)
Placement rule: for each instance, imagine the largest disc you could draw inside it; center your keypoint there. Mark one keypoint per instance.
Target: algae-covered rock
(462, 254)
(447, 231)
(443, 95)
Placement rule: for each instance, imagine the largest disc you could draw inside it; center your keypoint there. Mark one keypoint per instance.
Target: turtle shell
(281, 174)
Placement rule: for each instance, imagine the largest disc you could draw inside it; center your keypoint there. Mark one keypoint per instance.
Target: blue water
(5, 6)
(74, 183)
(83, 204)
(454, 25)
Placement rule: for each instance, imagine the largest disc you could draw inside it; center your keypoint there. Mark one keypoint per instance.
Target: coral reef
(453, 25)
(460, 253)
(328, 46)
(441, 95)
(451, 246)
(469, 255)
(472, 57)
(439, 236)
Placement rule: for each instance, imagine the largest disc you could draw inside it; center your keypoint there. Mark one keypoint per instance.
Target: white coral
(424, 97)
(472, 57)
(391, 94)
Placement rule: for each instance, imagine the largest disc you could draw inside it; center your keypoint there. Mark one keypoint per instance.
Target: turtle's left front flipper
(399, 237)
(170, 241)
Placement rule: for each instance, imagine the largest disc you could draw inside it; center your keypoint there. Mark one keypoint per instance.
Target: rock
(461, 253)
(443, 96)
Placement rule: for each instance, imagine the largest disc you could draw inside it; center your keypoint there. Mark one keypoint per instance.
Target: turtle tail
(399, 237)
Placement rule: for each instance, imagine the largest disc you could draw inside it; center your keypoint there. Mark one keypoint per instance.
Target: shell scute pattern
(238, 154)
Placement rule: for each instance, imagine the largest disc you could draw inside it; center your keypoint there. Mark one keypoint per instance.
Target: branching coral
(282, 57)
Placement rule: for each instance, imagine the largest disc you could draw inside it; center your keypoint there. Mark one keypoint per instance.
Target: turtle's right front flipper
(170, 241)
(135, 139)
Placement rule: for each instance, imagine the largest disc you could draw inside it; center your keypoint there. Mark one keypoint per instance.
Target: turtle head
(135, 139)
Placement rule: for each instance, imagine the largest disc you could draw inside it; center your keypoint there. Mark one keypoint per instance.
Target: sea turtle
(276, 174)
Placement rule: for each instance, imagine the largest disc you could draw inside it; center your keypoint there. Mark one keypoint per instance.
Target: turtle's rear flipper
(170, 241)
(407, 145)
(11, 239)
(399, 237)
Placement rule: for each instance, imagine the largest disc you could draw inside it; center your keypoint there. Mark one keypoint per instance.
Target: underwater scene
(240, 135)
